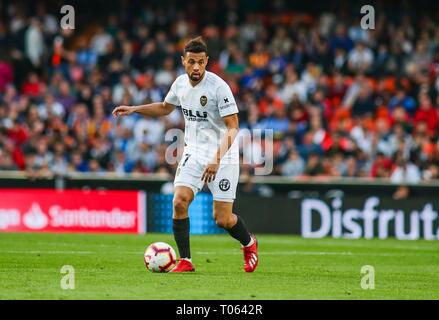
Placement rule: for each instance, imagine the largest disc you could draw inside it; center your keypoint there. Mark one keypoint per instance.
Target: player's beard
(197, 78)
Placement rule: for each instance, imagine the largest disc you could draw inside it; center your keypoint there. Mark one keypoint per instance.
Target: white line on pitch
(47, 252)
(312, 253)
(229, 252)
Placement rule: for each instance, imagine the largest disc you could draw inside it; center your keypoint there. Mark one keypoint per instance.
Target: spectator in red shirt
(270, 100)
(427, 113)
(381, 167)
(6, 74)
(32, 86)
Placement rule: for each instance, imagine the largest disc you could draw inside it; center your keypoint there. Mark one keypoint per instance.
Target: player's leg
(226, 219)
(224, 192)
(187, 183)
(234, 224)
(183, 197)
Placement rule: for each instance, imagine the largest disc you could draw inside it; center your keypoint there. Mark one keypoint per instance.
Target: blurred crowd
(342, 101)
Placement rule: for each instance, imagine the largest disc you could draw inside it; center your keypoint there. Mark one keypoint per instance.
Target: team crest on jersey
(203, 100)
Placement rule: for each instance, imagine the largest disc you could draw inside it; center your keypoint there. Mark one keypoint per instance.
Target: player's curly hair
(195, 45)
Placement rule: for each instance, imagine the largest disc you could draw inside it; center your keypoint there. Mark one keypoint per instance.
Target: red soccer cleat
(183, 266)
(251, 256)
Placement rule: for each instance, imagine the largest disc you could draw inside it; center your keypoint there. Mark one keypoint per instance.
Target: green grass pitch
(111, 267)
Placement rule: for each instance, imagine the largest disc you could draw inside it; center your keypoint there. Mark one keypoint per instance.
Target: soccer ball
(159, 257)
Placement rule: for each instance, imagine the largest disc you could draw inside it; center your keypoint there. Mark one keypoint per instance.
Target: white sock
(250, 243)
(187, 259)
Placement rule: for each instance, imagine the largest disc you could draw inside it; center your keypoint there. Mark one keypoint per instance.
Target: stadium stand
(342, 101)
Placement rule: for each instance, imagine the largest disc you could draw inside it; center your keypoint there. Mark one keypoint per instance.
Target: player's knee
(223, 222)
(181, 204)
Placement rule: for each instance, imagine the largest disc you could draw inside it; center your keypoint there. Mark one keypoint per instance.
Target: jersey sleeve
(226, 101)
(172, 97)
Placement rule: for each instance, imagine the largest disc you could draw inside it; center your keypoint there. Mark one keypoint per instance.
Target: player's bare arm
(232, 125)
(157, 109)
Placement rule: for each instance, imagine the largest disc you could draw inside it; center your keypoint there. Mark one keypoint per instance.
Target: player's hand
(210, 172)
(123, 111)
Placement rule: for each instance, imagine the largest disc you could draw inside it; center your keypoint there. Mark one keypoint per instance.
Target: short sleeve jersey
(203, 107)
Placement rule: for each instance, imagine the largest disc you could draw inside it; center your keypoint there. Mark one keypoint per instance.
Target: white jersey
(203, 107)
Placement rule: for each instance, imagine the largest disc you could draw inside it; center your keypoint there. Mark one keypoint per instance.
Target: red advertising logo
(41, 210)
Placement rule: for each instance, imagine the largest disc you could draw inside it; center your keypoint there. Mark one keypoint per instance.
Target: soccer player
(211, 153)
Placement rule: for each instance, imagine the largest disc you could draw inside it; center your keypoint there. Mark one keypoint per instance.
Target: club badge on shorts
(203, 100)
(224, 184)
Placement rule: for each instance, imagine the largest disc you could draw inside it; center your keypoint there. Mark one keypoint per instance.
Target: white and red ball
(160, 257)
